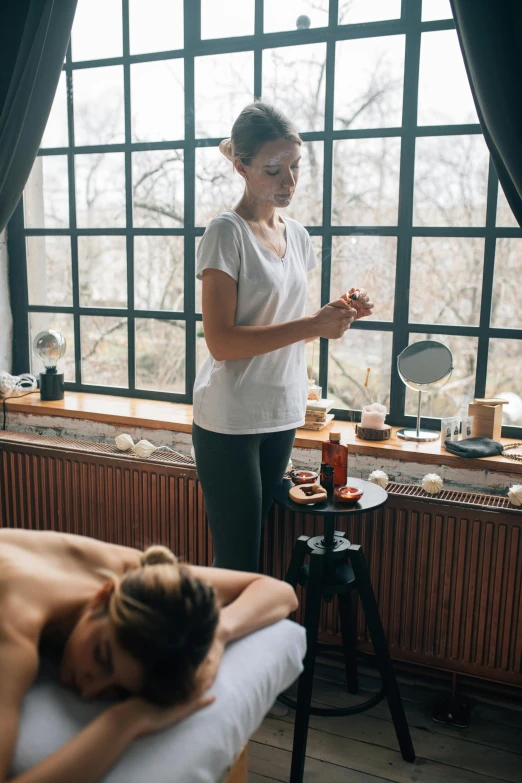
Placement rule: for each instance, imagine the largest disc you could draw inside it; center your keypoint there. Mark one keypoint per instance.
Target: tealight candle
(304, 476)
(348, 494)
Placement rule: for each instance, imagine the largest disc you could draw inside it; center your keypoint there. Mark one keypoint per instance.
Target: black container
(327, 479)
(51, 385)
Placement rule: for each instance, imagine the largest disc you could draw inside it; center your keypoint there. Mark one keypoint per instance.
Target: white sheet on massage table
(254, 670)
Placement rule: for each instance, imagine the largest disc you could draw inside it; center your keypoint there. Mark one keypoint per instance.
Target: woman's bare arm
(249, 601)
(95, 749)
(227, 341)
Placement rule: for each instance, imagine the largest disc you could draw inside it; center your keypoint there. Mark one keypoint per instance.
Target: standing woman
(250, 395)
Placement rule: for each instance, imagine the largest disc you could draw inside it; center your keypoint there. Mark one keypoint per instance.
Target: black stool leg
(306, 680)
(297, 560)
(382, 654)
(348, 620)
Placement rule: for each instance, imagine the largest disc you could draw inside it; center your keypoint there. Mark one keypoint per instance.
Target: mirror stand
(418, 434)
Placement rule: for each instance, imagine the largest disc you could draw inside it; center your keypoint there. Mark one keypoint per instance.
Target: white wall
(6, 321)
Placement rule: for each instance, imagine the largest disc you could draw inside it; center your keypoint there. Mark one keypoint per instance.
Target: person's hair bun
(158, 555)
(226, 149)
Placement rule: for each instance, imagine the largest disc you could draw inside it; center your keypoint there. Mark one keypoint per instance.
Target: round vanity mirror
(424, 366)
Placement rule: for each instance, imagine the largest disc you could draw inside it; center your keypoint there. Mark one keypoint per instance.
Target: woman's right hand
(143, 718)
(334, 319)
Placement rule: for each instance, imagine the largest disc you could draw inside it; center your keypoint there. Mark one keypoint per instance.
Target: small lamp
(50, 347)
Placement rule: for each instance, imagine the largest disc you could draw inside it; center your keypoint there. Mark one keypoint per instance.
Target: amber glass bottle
(335, 453)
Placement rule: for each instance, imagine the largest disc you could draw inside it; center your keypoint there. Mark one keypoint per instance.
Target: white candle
(372, 416)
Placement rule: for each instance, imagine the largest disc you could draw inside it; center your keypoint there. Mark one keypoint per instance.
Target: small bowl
(348, 494)
(304, 476)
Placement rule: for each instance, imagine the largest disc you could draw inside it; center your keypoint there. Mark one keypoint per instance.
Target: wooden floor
(363, 748)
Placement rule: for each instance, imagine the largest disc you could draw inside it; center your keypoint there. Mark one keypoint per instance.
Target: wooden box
(487, 420)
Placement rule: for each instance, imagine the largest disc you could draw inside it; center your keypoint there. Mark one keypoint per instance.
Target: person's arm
(227, 341)
(94, 750)
(248, 601)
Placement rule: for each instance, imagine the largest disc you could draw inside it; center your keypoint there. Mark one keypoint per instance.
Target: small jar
(327, 479)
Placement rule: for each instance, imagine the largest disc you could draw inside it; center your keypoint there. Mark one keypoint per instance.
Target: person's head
(144, 634)
(265, 148)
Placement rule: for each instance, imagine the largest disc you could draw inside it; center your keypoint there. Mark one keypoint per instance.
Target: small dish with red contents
(304, 476)
(347, 494)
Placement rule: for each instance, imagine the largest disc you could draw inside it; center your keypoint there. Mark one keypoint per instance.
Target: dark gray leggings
(238, 475)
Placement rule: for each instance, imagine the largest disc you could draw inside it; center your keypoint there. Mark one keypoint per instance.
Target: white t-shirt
(264, 393)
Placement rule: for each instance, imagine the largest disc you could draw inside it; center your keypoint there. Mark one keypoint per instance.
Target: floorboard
(363, 748)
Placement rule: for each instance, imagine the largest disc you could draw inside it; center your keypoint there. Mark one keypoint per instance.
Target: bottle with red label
(335, 453)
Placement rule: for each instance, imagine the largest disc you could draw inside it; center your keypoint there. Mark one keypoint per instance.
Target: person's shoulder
(225, 222)
(298, 231)
(297, 228)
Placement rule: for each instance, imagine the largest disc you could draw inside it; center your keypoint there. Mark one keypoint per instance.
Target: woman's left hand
(361, 305)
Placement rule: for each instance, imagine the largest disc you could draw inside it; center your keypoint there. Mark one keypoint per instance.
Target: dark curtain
(490, 35)
(34, 35)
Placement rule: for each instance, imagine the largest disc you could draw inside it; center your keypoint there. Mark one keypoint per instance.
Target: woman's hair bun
(227, 149)
(158, 555)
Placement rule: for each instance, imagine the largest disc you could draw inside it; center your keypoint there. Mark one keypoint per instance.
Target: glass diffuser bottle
(335, 453)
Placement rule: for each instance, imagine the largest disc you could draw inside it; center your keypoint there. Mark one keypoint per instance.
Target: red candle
(347, 494)
(304, 476)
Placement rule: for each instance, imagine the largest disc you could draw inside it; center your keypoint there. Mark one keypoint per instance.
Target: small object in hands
(304, 476)
(353, 296)
(348, 494)
(432, 483)
(379, 477)
(515, 495)
(308, 494)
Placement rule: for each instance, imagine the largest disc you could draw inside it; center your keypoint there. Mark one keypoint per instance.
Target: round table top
(374, 497)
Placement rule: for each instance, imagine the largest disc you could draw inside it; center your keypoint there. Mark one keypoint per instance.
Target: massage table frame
(239, 771)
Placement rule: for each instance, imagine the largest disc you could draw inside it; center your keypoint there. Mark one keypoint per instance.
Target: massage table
(207, 747)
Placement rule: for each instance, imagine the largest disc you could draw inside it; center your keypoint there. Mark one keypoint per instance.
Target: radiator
(447, 571)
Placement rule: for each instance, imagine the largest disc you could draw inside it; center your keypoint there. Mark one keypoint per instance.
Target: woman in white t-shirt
(250, 395)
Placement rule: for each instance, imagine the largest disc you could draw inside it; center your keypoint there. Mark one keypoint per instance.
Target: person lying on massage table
(139, 627)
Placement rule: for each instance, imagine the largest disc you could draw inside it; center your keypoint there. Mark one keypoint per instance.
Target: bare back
(43, 576)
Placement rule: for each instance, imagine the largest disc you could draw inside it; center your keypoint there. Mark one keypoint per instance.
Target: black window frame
(409, 24)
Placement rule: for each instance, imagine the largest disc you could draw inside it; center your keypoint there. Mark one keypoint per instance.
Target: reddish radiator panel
(447, 577)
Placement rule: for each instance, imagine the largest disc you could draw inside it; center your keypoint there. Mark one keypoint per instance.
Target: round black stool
(337, 567)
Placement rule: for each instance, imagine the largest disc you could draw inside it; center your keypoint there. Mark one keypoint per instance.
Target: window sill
(177, 417)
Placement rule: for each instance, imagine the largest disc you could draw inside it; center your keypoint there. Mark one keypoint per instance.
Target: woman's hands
(361, 305)
(332, 320)
(142, 718)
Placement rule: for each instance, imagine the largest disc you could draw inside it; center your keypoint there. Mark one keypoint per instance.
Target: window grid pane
(134, 201)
